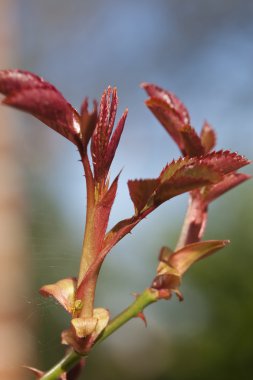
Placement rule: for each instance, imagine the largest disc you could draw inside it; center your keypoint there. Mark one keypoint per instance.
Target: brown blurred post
(14, 339)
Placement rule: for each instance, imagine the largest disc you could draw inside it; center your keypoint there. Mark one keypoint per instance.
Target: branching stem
(147, 297)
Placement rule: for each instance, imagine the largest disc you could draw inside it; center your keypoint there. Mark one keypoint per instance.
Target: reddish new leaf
(173, 266)
(166, 281)
(141, 191)
(88, 122)
(165, 253)
(171, 168)
(173, 115)
(102, 214)
(192, 143)
(32, 94)
(229, 182)
(169, 119)
(187, 178)
(208, 137)
(155, 91)
(114, 142)
(103, 146)
(182, 259)
(17, 80)
(225, 161)
(176, 178)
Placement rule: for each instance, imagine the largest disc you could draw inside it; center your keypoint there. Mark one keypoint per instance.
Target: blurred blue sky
(202, 51)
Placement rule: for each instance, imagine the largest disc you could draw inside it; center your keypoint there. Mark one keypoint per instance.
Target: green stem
(142, 301)
(147, 297)
(65, 365)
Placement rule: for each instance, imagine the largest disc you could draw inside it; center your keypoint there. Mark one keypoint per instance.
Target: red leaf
(32, 94)
(185, 179)
(114, 142)
(141, 191)
(196, 217)
(174, 265)
(208, 137)
(229, 182)
(88, 122)
(225, 161)
(182, 259)
(17, 80)
(102, 213)
(103, 147)
(171, 168)
(166, 281)
(157, 92)
(169, 110)
(192, 143)
(169, 119)
(165, 253)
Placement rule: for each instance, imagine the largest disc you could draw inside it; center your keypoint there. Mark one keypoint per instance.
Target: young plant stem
(147, 297)
(88, 242)
(194, 223)
(64, 365)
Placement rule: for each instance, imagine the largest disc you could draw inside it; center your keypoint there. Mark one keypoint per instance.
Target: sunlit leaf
(169, 119)
(32, 94)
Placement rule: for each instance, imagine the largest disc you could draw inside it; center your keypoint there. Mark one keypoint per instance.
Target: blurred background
(203, 52)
